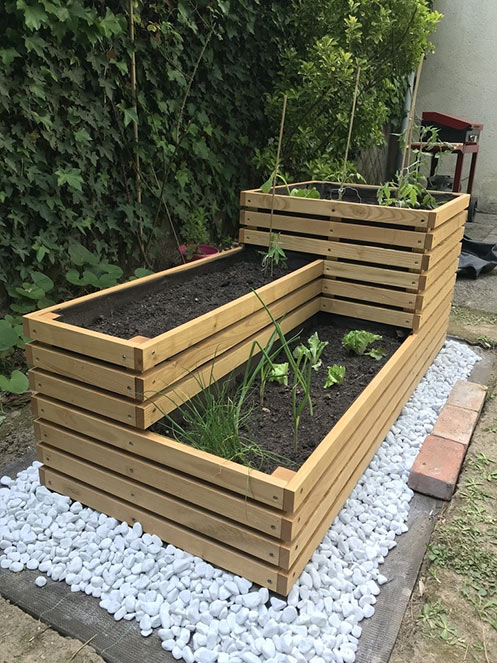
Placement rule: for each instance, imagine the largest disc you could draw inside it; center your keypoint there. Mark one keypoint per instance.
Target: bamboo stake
(135, 105)
(351, 124)
(277, 165)
(407, 142)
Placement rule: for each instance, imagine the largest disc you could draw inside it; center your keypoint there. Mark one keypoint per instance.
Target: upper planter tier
(385, 264)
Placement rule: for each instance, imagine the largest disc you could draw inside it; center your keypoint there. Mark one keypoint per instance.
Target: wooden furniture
(96, 396)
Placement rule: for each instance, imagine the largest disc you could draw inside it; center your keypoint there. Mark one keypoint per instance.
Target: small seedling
(336, 375)
(272, 373)
(377, 353)
(312, 351)
(359, 340)
(274, 255)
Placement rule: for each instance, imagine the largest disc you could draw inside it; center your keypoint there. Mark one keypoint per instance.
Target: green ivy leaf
(72, 177)
(34, 15)
(43, 281)
(82, 136)
(140, 272)
(81, 256)
(30, 290)
(130, 115)
(7, 55)
(110, 24)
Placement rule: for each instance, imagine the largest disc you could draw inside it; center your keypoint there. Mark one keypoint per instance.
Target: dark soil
(272, 426)
(181, 300)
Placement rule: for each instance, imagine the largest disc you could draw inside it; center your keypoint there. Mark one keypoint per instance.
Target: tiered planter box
(96, 395)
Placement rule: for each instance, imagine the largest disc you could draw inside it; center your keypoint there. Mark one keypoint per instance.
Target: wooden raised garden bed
(97, 395)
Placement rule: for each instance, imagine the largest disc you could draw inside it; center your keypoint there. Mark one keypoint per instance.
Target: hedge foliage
(210, 76)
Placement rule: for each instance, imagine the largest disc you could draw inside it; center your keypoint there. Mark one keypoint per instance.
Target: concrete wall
(460, 78)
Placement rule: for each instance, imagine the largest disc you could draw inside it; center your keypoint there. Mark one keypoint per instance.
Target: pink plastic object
(204, 251)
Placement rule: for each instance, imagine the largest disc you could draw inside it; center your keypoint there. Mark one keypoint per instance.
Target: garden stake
(352, 114)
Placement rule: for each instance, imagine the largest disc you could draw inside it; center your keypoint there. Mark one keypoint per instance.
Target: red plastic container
(204, 251)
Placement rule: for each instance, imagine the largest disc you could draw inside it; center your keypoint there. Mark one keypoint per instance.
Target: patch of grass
(435, 624)
(469, 316)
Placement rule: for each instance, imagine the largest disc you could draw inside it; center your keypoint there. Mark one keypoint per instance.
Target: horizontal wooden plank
(446, 211)
(442, 269)
(208, 549)
(335, 229)
(334, 249)
(445, 230)
(441, 296)
(371, 274)
(89, 371)
(176, 340)
(247, 482)
(381, 412)
(240, 509)
(431, 258)
(296, 224)
(168, 372)
(365, 312)
(167, 401)
(89, 398)
(336, 208)
(369, 293)
(148, 497)
(312, 541)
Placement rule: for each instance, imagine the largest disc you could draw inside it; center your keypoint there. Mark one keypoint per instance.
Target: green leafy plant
(377, 353)
(31, 295)
(312, 351)
(271, 372)
(408, 188)
(358, 340)
(194, 232)
(93, 273)
(275, 255)
(335, 376)
(17, 383)
(12, 339)
(310, 192)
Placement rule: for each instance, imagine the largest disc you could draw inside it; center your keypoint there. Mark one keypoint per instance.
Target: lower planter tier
(264, 527)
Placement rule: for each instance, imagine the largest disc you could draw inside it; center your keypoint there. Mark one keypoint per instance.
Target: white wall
(460, 78)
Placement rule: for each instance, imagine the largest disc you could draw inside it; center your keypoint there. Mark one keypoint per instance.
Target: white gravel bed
(205, 615)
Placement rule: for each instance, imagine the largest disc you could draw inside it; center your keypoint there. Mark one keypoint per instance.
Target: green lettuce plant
(335, 376)
(358, 340)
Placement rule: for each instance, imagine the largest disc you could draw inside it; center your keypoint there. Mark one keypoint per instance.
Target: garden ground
(452, 614)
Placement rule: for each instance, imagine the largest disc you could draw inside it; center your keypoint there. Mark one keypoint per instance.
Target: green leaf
(358, 340)
(81, 256)
(8, 336)
(42, 281)
(279, 373)
(72, 177)
(73, 276)
(112, 270)
(82, 136)
(110, 24)
(268, 184)
(30, 290)
(130, 115)
(7, 55)
(377, 353)
(17, 384)
(34, 15)
(316, 348)
(336, 375)
(305, 193)
(142, 271)
(23, 308)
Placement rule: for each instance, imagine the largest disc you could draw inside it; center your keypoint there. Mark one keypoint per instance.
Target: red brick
(469, 395)
(456, 423)
(437, 467)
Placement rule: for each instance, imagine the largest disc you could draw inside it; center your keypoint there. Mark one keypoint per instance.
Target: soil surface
(271, 426)
(181, 301)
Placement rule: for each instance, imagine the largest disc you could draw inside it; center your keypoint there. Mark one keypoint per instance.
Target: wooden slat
(368, 293)
(192, 517)
(441, 214)
(365, 312)
(173, 369)
(158, 448)
(89, 398)
(81, 368)
(370, 274)
(334, 249)
(297, 224)
(442, 232)
(242, 510)
(431, 258)
(443, 296)
(176, 340)
(335, 229)
(309, 473)
(181, 391)
(380, 413)
(312, 541)
(336, 208)
(208, 549)
(444, 267)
